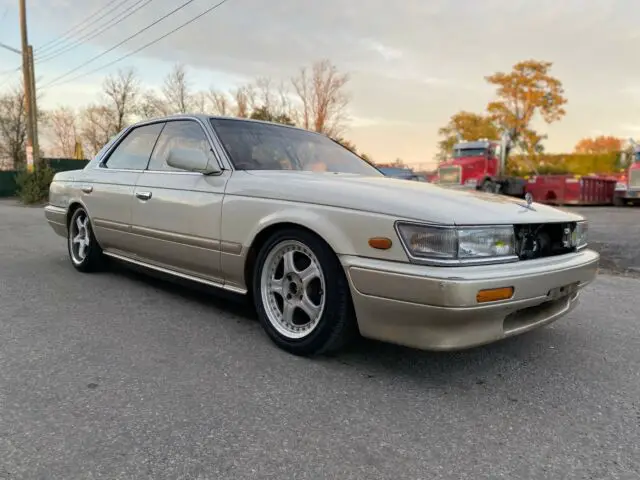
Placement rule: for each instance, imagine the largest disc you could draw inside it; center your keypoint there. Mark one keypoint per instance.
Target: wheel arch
(73, 206)
(322, 229)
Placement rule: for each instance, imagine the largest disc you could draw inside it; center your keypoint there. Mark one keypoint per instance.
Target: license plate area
(564, 291)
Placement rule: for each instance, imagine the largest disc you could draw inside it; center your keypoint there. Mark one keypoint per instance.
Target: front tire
(84, 251)
(489, 186)
(301, 294)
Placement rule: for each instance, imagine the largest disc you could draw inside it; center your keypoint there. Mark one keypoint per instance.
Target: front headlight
(579, 239)
(465, 244)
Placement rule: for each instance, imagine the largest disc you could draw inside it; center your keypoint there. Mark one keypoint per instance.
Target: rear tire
(301, 294)
(84, 251)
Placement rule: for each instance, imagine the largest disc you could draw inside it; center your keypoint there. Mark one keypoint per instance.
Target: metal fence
(8, 187)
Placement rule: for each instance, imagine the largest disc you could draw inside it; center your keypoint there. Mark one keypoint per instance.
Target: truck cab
(628, 187)
(471, 164)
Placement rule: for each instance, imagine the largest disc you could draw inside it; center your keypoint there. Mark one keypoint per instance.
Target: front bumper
(57, 218)
(435, 308)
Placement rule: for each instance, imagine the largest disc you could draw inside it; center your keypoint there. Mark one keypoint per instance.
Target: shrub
(33, 187)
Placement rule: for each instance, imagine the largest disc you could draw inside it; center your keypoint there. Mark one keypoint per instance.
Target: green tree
(346, 144)
(468, 126)
(263, 113)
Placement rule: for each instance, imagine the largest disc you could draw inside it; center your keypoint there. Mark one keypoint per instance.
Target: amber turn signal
(381, 243)
(494, 294)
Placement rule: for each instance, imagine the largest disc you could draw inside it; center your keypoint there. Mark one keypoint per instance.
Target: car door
(107, 190)
(176, 214)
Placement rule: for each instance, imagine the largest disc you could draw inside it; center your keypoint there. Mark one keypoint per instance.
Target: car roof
(205, 118)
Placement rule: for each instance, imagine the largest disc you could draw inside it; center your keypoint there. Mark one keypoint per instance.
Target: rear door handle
(143, 195)
(87, 189)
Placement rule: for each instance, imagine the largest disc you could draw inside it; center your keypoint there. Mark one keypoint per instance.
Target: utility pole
(34, 109)
(29, 95)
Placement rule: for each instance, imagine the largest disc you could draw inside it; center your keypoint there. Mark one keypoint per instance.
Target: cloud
(632, 91)
(413, 63)
(357, 122)
(630, 128)
(385, 51)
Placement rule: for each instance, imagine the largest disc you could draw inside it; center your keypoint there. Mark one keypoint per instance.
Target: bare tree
(176, 90)
(62, 123)
(220, 103)
(96, 127)
(264, 95)
(13, 127)
(122, 91)
(244, 100)
(283, 100)
(151, 105)
(201, 102)
(323, 101)
(272, 98)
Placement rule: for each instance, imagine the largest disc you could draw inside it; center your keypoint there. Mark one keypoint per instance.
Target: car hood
(402, 199)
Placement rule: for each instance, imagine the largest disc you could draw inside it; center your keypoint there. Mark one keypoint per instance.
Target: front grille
(543, 240)
(634, 178)
(449, 175)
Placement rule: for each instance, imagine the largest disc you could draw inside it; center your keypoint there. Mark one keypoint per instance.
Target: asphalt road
(120, 376)
(615, 233)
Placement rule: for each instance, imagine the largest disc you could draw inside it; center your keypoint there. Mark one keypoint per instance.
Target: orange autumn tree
(527, 92)
(600, 144)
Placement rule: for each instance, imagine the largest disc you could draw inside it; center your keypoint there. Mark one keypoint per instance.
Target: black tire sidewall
(335, 317)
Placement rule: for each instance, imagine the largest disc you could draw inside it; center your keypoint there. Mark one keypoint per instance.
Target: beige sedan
(321, 241)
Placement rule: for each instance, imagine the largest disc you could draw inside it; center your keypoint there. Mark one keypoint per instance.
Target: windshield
(469, 152)
(262, 146)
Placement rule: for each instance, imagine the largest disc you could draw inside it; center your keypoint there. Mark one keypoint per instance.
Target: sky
(412, 64)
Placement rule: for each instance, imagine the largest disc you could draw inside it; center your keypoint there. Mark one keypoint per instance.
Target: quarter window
(134, 151)
(178, 134)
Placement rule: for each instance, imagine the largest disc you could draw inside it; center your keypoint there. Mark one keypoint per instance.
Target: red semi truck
(480, 165)
(628, 186)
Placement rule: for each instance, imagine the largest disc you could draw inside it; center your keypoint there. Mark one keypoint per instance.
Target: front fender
(312, 220)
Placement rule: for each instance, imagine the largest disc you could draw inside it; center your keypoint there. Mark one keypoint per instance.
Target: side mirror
(192, 160)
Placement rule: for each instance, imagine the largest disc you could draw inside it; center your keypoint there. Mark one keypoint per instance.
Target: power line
(8, 75)
(120, 43)
(143, 47)
(88, 36)
(11, 70)
(51, 43)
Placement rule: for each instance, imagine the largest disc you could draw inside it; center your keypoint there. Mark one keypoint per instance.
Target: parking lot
(615, 233)
(121, 376)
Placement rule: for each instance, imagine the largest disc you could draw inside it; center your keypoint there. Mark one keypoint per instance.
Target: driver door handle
(143, 195)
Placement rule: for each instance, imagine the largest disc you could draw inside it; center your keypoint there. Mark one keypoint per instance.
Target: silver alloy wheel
(79, 238)
(292, 288)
